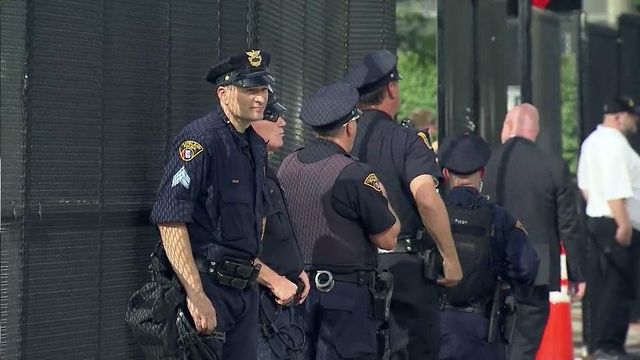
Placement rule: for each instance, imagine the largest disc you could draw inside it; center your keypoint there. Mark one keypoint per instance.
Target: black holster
(382, 288)
(432, 265)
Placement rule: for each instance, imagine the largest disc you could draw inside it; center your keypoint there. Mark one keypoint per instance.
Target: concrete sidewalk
(633, 340)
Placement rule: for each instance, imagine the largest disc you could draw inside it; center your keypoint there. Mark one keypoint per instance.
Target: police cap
(247, 69)
(330, 107)
(376, 70)
(622, 104)
(274, 108)
(463, 154)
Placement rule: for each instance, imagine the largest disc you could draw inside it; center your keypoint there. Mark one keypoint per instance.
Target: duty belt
(325, 279)
(472, 309)
(235, 273)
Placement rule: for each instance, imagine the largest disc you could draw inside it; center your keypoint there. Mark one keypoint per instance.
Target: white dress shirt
(609, 169)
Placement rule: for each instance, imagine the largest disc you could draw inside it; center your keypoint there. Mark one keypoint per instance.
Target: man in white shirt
(609, 178)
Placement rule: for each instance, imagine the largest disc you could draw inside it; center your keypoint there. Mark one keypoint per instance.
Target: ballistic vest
(472, 229)
(327, 240)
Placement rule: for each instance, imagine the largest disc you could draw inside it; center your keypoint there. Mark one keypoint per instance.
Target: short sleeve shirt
(609, 169)
(397, 155)
(214, 182)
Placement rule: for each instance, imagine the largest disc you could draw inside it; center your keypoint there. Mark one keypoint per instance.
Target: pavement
(633, 339)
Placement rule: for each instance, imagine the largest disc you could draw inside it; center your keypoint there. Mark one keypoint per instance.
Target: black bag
(159, 321)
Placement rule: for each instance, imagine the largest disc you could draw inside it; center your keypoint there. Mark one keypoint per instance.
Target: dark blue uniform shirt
(349, 197)
(512, 255)
(214, 181)
(280, 248)
(397, 155)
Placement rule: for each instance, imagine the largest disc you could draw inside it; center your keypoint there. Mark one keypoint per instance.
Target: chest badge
(189, 149)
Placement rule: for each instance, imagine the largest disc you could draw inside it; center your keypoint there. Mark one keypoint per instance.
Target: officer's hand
(202, 312)
(577, 290)
(623, 234)
(284, 290)
(305, 292)
(452, 274)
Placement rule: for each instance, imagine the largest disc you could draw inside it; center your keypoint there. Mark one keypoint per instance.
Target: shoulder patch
(189, 149)
(425, 139)
(521, 227)
(373, 182)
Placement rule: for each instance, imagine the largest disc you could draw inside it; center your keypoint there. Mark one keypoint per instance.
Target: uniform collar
(376, 114)
(462, 195)
(520, 139)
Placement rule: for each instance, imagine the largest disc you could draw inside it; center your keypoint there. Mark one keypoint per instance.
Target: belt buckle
(324, 286)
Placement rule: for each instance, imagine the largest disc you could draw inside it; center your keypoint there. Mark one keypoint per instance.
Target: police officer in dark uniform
(491, 244)
(407, 166)
(211, 205)
(284, 283)
(340, 214)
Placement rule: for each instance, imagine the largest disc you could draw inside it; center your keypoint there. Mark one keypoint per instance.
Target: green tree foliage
(569, 110)
(416, 36)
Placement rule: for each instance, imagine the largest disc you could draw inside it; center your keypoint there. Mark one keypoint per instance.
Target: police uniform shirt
(280, 248)
(513, 256)
(398, 155)
(609, 169)
(214, 182)
(352, 196)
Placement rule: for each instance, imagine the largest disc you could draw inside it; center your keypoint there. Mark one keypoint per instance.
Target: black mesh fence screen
(93, 93)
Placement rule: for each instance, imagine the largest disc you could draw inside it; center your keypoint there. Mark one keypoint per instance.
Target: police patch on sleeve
(189, 149)
(373, 182)
(425, 139)
(521, 227)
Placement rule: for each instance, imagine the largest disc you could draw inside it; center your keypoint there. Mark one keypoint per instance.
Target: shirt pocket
(236, 213)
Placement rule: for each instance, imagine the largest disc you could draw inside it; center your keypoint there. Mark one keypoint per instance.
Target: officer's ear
(446, 174)
(224, 94)
(393, 90)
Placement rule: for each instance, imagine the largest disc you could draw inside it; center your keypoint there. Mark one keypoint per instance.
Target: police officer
(211, 201)
(490, 244)
(340, 214)
(407, 166)
(284, 284)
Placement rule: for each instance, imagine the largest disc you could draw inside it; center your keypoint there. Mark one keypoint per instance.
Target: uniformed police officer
(340, 214)
(490, 243)
(211, 201)
(407, 166)
(284, 282)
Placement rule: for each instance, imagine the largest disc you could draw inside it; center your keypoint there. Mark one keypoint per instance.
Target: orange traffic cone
(557, 341)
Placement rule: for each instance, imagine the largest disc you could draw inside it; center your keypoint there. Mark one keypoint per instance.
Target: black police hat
(274, 108)
(247, 69)
(463, 154)
(622, 104)
(330, 107)
(376, 70)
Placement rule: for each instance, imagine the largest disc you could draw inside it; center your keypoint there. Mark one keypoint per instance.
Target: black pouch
(432, 268)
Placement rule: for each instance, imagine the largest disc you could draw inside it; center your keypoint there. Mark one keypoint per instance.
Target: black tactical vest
(472, 229)
(327, 240)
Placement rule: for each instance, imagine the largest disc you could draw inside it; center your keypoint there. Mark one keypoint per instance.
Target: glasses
(354, 116)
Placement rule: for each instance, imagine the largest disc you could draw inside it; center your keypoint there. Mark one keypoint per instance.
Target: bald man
(537, 189)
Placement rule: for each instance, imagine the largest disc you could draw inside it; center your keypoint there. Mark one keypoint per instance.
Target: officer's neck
(385, 106)
(239, 124)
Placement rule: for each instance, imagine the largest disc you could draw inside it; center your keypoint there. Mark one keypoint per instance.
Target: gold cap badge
(254, 57)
